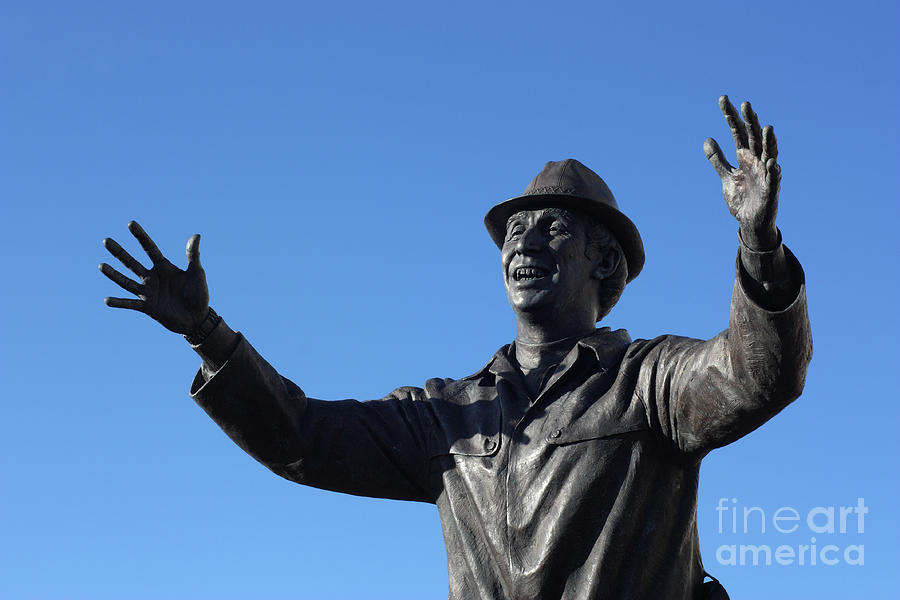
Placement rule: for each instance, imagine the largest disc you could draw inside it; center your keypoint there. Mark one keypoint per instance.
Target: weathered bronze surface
(568, 466)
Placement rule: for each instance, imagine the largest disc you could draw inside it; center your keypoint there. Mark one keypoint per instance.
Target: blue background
(338, 161)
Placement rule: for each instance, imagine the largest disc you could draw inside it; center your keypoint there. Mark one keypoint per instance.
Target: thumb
(195, 291)
(716, 158)
(193, 252)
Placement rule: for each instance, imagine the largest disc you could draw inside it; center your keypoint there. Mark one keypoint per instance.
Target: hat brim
(619, 225)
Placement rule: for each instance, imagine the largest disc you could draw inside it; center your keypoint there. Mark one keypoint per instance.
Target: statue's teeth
(529, 272)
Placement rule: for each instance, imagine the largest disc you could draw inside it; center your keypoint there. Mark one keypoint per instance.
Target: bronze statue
(568, 466)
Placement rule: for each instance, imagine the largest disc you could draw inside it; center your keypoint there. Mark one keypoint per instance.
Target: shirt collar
(606, 346)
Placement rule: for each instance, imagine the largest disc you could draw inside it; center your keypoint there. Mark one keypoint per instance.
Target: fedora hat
(570, 184)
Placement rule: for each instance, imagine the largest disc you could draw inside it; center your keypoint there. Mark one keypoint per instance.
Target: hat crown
(570, 178)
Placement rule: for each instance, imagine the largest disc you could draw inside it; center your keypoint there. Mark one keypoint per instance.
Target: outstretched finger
(129, 303)
(126, 259)
(715, 156)
(146, 243)
(193, 251)
(734, 122)
(124, 282)
(754, 134)
(773, 177)
(770, 144)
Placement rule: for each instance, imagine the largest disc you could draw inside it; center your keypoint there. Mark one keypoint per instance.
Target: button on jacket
(588, 490)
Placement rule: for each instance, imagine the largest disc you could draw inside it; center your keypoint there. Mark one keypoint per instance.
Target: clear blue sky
(338, 159)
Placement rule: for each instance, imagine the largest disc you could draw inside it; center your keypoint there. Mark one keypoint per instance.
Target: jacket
(588, 490)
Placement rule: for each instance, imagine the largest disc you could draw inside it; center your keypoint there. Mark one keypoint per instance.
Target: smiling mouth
(529, 273)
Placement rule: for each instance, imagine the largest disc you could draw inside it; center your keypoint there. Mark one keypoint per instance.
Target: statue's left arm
(705, 394)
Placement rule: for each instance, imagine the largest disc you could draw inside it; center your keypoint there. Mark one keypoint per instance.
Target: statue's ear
(606, 264)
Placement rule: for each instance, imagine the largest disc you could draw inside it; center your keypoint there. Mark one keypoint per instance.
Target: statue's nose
(530, 241)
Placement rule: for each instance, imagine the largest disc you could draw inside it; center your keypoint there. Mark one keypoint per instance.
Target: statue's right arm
(377, 448)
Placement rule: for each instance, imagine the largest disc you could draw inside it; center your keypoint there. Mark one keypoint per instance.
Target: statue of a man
(568, 466)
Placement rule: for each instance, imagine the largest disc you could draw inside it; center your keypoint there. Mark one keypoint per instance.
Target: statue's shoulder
(667, 343)
(446, 389)
(467, 389)
(454, 391)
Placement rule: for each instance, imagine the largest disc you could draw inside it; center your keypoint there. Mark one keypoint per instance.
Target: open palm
(178, 299)
(751, 188)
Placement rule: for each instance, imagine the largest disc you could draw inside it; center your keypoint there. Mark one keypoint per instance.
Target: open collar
(605, 346)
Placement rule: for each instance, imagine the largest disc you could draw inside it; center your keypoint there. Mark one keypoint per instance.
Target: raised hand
(751, 188)
(177, 299)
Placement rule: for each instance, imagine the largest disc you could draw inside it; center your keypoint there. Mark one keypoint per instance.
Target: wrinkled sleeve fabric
(376, 448)
(705, 394)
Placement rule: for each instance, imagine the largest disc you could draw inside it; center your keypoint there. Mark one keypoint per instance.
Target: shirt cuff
(764, 266)
(772, 279)
(217, 347)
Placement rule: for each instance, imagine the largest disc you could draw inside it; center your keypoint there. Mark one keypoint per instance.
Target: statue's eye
(557, 229)
(514, 231)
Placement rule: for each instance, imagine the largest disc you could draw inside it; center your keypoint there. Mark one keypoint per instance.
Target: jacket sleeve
(375, 448)
(705, 394)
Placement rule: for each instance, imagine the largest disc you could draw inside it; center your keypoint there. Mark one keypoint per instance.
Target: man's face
(545, 266)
